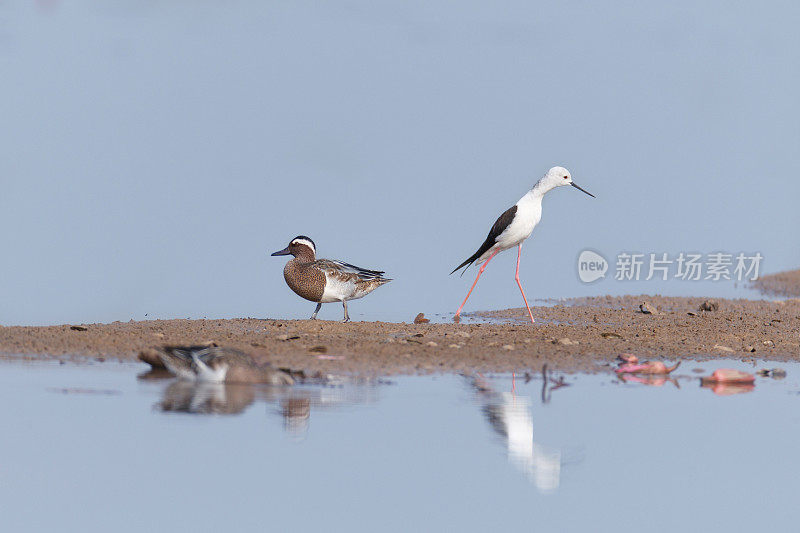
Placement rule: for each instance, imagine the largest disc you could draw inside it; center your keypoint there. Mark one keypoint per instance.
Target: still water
(99, 447)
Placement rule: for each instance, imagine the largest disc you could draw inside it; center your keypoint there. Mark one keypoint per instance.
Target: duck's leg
(346, 316)
(314, 316)
(516, 277)
(483, 267)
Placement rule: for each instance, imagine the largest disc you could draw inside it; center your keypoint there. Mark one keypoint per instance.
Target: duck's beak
(582, 190)
(285, 251)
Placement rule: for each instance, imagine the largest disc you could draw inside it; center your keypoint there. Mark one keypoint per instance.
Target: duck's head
(300, 246)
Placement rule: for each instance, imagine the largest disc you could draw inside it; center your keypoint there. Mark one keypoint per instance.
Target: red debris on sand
(727, 389)
(420, 319)
(654, 380)
(729, 375)
(727, 381)
(648, 367)
(628, 358)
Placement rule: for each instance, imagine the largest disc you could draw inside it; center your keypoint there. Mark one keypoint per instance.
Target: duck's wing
(205, 353)
(178, 360)
(216, 364)
(342, 268)
(191, 362)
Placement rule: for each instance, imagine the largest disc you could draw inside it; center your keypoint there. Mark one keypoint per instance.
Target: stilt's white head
(558, 177)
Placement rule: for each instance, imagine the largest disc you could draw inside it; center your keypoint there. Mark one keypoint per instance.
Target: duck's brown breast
(305, 280)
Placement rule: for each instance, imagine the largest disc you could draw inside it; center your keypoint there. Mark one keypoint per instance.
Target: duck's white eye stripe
(305, 242)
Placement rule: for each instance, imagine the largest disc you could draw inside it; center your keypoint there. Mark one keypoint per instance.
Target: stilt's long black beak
(285, 251)
(583, 190)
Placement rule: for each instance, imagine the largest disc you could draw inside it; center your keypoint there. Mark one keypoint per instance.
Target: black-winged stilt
(516, 225)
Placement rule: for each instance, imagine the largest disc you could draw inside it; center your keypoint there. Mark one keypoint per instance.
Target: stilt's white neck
(542, 187)
(535, 195)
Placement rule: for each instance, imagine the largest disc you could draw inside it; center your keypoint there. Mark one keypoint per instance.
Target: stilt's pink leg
(483, 267)
(516, 277)
(513, 382)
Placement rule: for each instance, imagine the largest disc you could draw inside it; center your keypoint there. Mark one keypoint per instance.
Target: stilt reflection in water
(509, 414)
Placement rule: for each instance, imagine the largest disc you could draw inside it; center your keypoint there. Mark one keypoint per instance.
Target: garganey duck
(214, 364)
(326, 280)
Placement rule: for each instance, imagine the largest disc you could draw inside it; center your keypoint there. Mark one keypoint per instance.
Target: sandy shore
(786, 284)
(569, 337)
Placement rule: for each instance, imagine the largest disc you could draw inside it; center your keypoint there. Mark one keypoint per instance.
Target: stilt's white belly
(519, 230)
(516, 232)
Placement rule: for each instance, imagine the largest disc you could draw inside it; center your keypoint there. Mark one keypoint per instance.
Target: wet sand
(572, 336)
(785, 284)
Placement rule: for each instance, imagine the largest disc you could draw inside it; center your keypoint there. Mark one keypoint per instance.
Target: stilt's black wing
(500, 225)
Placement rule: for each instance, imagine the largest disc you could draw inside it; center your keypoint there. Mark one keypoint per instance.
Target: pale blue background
(152, 154)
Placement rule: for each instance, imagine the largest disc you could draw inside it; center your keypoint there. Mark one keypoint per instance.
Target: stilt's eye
(565, 177)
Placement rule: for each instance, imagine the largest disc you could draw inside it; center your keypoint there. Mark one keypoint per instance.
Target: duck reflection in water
(206, 398)
(510, 416)
(296, 414)
(294, 405)
(223, 381)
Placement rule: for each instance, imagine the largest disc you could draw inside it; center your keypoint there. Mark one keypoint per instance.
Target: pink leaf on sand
(648, 367)
(729, 375)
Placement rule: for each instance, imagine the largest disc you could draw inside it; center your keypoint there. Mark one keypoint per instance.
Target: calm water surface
(94, 447)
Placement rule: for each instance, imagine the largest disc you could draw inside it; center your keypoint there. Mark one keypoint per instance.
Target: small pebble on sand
(722, 348)
(508, 347)
(774, 373)
(431, 343)
(709, 305)
(647, 309)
